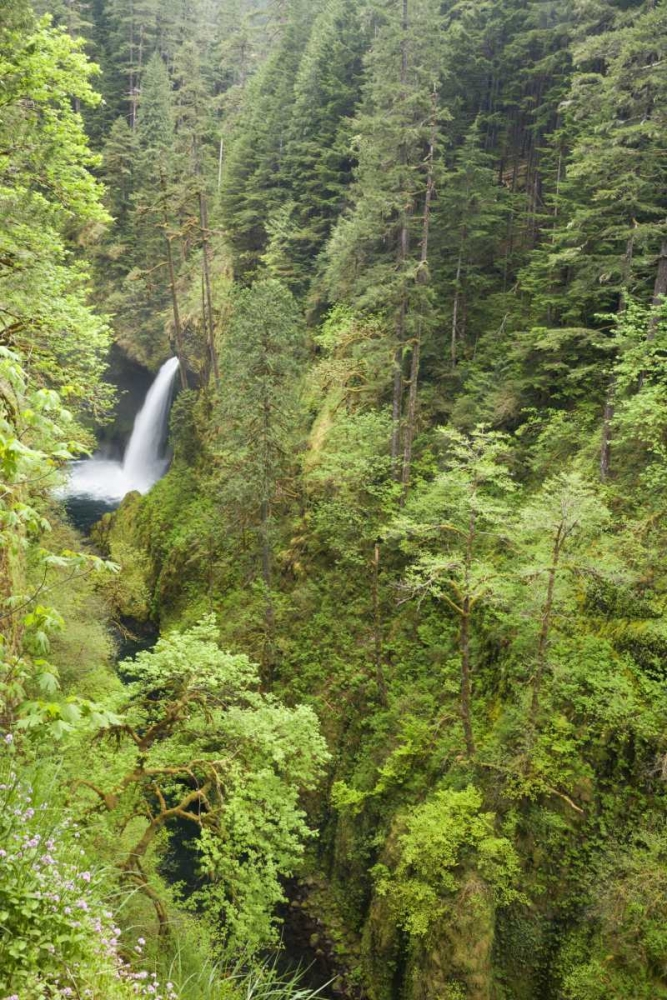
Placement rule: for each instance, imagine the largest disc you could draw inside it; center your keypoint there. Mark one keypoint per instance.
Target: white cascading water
(142, 465)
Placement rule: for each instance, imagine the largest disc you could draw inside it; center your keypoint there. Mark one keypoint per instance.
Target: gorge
(349, 649)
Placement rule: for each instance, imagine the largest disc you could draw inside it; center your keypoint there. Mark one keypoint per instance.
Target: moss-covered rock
(118, 535)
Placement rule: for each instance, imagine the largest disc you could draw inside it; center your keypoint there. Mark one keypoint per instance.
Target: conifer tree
(74, 16)
(239, 41)
(374, 258)
(611, 204)
(317, 162)
(118, 170)
(472, 210)
(132, 38)
(253, 183)
(260, 410)
(194, 127)
(155, 226)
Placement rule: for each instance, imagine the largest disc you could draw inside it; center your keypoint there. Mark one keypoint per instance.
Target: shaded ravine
(96, 487)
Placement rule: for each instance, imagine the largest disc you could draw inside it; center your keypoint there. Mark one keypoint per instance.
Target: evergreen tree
(132, 38)
(238, 43)
(155, 224)
(473, 209)
(469, 201)
(317, 162)
(194, 128)
(377, 256)
(71, 15)
(155, 123)
(611, 210)
(253, 182)
(260, 410)
(118, 172)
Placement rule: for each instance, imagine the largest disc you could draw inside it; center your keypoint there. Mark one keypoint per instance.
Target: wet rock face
(118, 537)
(133, 382)
(315, 938)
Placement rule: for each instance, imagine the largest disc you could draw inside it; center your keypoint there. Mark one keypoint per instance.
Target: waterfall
(143, 463)
(142, 457)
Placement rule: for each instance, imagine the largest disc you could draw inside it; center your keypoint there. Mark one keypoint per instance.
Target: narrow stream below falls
(133, 455)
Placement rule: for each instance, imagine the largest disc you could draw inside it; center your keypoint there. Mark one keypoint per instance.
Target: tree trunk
(608, 413)
(377, 630)
(455, 308)
(206, 367)
(405, 24)
(132, 80)
(397, 397)
(607, 417)
(422, 277)
(543, 641)
(203, 221)
(559, 178)
(178, 329)
(464, 643)
(466, 679)
(265, 531)
(403, 248)
(659, 289)
(509, 250)
(266, 543)
(533, 178)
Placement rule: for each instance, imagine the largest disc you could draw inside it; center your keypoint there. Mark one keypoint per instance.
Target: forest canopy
(374, 676)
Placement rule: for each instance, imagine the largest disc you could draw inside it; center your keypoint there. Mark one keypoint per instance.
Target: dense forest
(374, 678)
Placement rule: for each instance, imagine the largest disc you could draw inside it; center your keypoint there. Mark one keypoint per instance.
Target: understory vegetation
(406, 572)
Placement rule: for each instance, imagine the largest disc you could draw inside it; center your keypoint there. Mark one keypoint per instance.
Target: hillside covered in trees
(375, 676)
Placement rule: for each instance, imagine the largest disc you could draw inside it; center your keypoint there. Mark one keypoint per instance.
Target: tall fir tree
(253, 183)
(261, 415)
(611, 208)
(473, 208)
(376, 258)
(318, 162)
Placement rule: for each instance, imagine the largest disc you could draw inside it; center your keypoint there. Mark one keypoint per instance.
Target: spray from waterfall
(143, 463)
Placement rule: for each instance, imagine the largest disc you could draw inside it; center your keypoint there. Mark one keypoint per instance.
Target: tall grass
(247, 980)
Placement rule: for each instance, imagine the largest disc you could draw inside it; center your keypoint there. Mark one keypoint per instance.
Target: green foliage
(449, 221)
(47, 196)
(629, 942)
(368, 263)
(610, 216)
(474, 205)
(33, 448)
(59, 937)
(639, 373)
(456, 521)
(317, 164)
(253, 182)
(444, 837)
(192, 715)
(260, 409)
